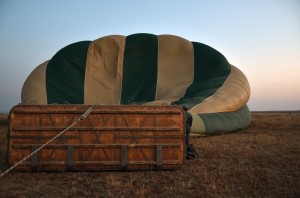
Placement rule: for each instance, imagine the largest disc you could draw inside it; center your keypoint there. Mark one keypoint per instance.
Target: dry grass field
(261, 161)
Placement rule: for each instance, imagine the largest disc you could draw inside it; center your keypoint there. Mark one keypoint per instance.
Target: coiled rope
(82, 117)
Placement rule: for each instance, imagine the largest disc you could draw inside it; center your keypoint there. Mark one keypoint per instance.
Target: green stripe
(217, 123)
(211, 69)
(65, 74)
(139, 68)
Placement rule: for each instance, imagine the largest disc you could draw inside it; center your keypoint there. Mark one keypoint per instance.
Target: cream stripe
(104, 70)
(175, 67)
(34, 88)
(198, 126)
(231, 96)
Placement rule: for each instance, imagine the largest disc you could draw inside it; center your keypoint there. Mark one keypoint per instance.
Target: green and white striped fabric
(149, 69)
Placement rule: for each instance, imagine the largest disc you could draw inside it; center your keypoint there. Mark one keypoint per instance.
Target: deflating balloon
(149, 69)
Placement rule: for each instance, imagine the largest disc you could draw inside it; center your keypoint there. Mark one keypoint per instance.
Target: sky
(261, 38)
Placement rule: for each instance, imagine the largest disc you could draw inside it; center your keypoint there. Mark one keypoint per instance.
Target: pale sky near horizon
(261, 38)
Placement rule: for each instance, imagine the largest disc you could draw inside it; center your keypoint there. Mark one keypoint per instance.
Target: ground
(261, 161)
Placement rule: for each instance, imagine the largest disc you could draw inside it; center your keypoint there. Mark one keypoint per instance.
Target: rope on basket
(82, 117)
